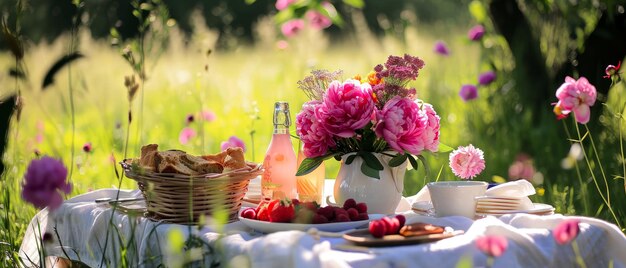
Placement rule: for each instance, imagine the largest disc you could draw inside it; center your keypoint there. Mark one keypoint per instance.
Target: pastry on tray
(418, 229)
(180, 162)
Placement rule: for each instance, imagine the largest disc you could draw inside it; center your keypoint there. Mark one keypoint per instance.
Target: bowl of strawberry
(284, 215)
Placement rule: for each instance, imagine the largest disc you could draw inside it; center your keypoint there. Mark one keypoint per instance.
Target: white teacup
(456, 198)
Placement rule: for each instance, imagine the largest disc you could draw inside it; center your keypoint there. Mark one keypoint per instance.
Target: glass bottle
(310, 186)
(279, 178)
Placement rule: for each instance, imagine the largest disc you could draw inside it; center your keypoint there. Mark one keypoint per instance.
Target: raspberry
(328, 212)
(350, 203)
(342, 218)
(248, 213)
(319, 219)
(377, 228)
(363, 216)
(353, 214)
(361, 207)
(401, 219)
(339, 211)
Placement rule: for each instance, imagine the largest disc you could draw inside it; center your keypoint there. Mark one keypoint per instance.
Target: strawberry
(248, 213)
(401, 219)
(263, 214)
(361, 207)
(377, 229)
(342, 218)
(319, 219)
(350, 203)
(328, 212)
(363, 216)
(283, 211)
(353, 214)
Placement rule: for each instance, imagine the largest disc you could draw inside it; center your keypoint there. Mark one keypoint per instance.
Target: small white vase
(381, 195)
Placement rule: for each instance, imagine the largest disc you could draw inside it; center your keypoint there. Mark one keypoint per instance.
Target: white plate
(271, 227)
(538, 209)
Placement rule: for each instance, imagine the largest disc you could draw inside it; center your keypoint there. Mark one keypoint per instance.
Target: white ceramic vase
(381, 195)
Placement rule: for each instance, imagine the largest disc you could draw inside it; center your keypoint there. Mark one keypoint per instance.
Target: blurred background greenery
(229, 57)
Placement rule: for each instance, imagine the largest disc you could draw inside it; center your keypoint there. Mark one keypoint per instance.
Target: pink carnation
(346, 107)
(402, 124)
(315, 137)
(575, 96)
(318, 20)
(467, 162)
(292, 27)
(233, 141)
(44, 182)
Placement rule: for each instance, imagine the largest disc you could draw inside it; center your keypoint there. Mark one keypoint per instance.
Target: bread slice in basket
(180, 162)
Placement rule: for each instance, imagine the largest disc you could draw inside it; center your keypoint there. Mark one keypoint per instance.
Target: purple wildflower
(441, 48)
(476, 33)
(44, 182)
(486, 78)
(468, 92)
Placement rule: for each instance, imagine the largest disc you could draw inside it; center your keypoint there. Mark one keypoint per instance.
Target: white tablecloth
(81, 226)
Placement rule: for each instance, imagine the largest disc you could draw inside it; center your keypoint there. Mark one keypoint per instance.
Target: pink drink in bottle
(279, 178)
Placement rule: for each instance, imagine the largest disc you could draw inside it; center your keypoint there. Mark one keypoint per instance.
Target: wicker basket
(183, 199)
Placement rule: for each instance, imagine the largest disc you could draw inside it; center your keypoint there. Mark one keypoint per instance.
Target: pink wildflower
(468, 92)
(318, 20)
(441, 48)
(492, 245)
(44, 182)
(486, 78)
(282, 44)
(292, 27)
(402, 124)
(611, 70)
(400, 69)
(186, 134)
(316, 139)
(476, 33)
(233, 141)
(207, 115)
(87, 147)
(566, 231)
(282, 4)
(467, 162)
(522, 168)
(575, 96)
(346, 107)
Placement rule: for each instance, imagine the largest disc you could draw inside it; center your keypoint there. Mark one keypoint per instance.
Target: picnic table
(77, 231)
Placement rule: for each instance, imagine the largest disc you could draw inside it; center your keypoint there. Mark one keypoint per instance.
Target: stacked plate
(253, 195)
(500, 205)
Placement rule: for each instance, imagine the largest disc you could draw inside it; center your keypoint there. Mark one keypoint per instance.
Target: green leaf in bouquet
(350, 158)
(354, 3)
(308, 165)
(397, 160)
(283, 16)
(371, 160)
(426, 167)
(444, 148)
(368, 171)
(413, 162)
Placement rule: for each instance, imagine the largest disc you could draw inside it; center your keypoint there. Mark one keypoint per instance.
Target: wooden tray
(362, 237)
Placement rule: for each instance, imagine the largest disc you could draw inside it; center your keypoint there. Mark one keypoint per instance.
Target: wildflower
(207, 115)
(44, 182)
(346, 107)
(282, 4)
(575, 96)
(399, 70)
(611, 70)
(132, 86)
(486, 78)
(467, 162)
(87, 147)
(493, 245)
(316, 84)
(189, 119)
(292, 27)
(575, 154)
(282, 44)
(373, 80)
(468, 92)
(186, 134)
(401, 123)
(476, 33)
(315, 138)
(441, 48)
(522, 168)
(233, 141)
(317, 20)
(566, 231)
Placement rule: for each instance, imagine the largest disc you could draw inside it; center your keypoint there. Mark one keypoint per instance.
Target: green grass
(241, 80)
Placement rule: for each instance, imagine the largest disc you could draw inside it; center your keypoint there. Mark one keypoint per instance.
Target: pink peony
(467, 162)
(315, 137)
(575, 96)
(566, 231)
(233, 141)
(476, 33)
(468, 92)
(492, 245)
(282, 4)
(402, 124)
(44, 182)
(441, 48)
(292, 27)
(430, 137)
(186, 134)
(346, 107)
(318, 20)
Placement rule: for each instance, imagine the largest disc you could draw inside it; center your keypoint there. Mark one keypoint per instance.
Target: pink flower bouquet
(375, 114)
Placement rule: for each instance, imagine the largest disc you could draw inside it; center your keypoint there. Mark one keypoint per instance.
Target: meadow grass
(244, 82)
